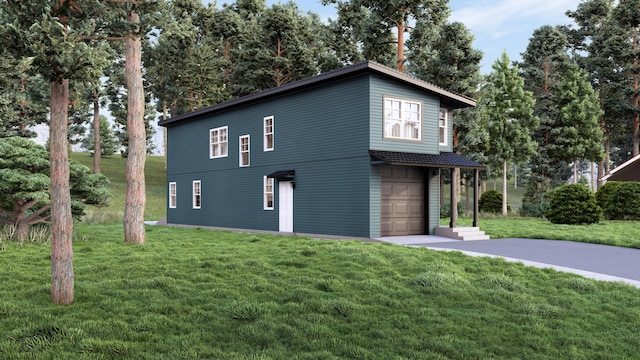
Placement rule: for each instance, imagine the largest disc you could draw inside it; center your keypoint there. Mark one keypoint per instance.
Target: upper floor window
(268, 133)
(173, 195)
(268, 193)
(402, 119)
(443, 125)
(197, 194)
(218, 139)
(244, 150)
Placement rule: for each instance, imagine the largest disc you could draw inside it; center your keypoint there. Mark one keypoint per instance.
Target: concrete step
(462, 233)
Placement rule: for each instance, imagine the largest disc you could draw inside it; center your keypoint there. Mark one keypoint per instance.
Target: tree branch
(37, 213)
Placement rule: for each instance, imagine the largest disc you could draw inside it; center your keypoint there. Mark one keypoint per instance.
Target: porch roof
(442, 160)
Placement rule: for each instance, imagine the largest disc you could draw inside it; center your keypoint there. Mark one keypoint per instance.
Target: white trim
(173, 195)
(197, 194)
(222, 142)
(268, 190)
(443, 129)
(402, 121)
(268, 133)
(242, 151)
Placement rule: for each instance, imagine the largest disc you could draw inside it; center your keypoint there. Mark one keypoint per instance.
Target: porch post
(452, 199)
(476, 197)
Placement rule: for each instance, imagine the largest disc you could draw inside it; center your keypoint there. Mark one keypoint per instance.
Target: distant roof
(628, 171)
(442, 160)
(450, 99)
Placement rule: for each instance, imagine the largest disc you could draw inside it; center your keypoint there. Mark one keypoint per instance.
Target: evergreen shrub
(573, 204)
(624, 203)
(603, 195)
(491, 202)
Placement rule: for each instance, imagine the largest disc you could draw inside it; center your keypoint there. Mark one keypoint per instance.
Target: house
(353, 152)
(627, 171)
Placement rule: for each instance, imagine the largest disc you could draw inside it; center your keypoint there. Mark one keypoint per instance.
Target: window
(442, 124)
(268, 193)
(402, 119)
(218, 139)
(244, 150)
(268, 133)
(197, 194)
(173, 196)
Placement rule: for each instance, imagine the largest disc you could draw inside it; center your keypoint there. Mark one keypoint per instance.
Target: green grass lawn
(113, 168)
(196, 294)
(617, 233)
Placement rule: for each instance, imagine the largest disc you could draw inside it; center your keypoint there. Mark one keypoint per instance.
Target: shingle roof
(444, 160)
(450, 99)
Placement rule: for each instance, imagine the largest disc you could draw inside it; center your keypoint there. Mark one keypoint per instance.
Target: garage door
(402, 201)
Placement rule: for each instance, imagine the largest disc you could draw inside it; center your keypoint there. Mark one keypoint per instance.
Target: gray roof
(449, 99)
(442, 160)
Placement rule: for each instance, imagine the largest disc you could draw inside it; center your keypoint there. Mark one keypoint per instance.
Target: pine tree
(24, 186)
(543, 63)
(508, 110)
(51, 34)
(576, 134)
(108, 142)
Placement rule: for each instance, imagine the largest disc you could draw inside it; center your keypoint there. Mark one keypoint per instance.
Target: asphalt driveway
(600, 262)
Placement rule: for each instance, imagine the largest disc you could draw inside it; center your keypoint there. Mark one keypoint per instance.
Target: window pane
(403, 119)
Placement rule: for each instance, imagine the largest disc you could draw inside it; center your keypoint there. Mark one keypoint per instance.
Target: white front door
(285, 205)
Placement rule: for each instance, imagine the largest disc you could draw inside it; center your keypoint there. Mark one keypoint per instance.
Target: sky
(497, 25)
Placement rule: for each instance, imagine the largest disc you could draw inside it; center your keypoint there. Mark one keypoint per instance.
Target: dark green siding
(381, 87)
(321, 133)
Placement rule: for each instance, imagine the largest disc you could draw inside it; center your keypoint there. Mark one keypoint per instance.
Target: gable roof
(627, 171)
(450, 99)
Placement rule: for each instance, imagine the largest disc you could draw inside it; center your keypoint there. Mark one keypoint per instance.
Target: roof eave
(451, 100)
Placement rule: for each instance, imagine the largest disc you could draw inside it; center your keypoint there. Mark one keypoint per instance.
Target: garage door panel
(402, 200)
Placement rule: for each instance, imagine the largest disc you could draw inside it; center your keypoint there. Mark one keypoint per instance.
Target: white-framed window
(219, 141)
(197, 194)
(268, 193)
(268, 133)
(402, 119)
(245, 150)
(173, 195)
(443, 123)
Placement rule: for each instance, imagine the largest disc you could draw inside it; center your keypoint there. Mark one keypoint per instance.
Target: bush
(491, 202)
(445, 210)
(537, 210)
(624, 202)
(603, 195)
(573, 204)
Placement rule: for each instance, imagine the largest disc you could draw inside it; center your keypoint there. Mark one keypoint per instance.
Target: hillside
(113, 168)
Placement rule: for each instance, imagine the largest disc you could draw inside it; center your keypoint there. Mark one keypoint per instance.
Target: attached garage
(402, 200)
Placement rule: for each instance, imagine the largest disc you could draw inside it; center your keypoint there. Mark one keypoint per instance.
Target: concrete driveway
(601, 262)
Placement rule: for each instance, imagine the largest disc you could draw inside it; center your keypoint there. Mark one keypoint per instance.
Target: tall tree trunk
(593, 184)
(515, 176)
(575, 171)
(136, 195)
(164, 131)
(504, 187)
(97, 151)
(61, 220)
(636, 98)
(600, 172)
(401, 28)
